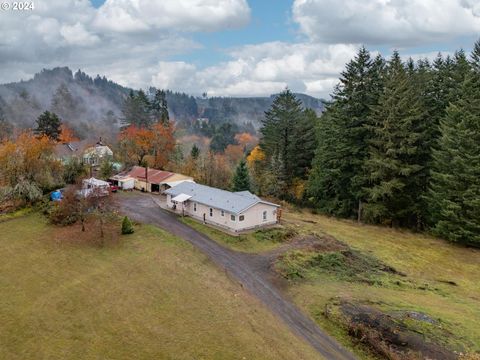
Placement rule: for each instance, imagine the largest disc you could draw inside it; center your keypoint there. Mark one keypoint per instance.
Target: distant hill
(88, 103)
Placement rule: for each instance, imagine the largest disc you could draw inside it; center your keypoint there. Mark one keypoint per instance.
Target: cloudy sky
(226, 47)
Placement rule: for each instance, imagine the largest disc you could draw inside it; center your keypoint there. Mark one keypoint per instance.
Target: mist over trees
(97, 105)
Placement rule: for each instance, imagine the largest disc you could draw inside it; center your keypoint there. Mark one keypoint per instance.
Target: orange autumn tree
(246, 140)
(147, 147)
(234, 153)
(164, 143)
(66, 135)
(256, 155)
(136, 144)
(29, 158)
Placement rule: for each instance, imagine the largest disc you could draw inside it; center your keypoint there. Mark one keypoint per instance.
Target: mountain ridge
(84, 102)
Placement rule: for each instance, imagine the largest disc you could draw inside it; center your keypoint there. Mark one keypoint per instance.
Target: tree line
(398, 144)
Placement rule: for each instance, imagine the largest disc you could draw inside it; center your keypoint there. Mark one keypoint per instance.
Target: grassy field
(252, 242)
(441, 280)
(149, 296)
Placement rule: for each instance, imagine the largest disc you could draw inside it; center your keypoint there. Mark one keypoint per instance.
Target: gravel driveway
(244, 268)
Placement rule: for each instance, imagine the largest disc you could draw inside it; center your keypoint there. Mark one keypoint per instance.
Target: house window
(223, 213)
(232, 217)
(265, 215)
(211, 212)
(194, 206)
(241, 217)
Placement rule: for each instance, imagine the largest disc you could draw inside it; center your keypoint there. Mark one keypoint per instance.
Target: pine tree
(195, 152)
(159, 107)
(396, 156)
(337, 179)
(280, 134)
(304, 143)
(455, 186)
(136, 110)
(475, 57)
(241, 178)
(127, 227)
(48, 124)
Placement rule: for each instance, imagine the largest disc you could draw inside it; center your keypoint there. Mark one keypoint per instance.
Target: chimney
(146, 174)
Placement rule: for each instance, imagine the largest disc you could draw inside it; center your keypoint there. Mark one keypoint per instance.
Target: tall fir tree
(455, 186)
(337, 179)
(48, 123)
(396, 155)
(304, 143)
(159, 107)
(279, 130)
(137, 110)
(289, 140)
(195, 152)
(241, 178)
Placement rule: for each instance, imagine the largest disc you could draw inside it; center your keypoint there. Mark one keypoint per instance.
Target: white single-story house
(233, 211)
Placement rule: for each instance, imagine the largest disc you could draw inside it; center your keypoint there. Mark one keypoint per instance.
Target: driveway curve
(144, 209)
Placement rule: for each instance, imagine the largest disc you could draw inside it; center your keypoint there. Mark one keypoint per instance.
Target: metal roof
(220, 199)
(181, 198)
(154, 176)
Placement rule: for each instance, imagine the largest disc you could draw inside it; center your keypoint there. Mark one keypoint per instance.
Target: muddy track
(246, 269)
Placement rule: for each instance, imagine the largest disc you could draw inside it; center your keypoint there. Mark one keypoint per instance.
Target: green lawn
(251, 242)
(151, 296)
(427, 262)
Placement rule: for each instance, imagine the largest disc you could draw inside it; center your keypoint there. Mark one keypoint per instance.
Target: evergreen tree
(195, 152)
(475, 57)
(127, 227)
(136, 110)
(304, 143)
(223, 136)
(241, 178)
(280, 132)
(275, 178)
(159, 107)
(396, 155)
(455, 186)
(337, 181)
(48, 124)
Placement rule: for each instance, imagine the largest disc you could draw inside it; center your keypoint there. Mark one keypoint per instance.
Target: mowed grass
(252, 242)
(426, 261)
(150, 296)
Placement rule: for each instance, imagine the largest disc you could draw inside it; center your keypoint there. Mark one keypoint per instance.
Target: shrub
(67, 211)
(127, 227)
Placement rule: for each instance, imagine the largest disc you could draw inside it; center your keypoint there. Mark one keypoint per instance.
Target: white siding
(253, 217)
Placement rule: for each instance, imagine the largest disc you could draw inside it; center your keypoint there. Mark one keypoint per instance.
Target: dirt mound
(389, 335)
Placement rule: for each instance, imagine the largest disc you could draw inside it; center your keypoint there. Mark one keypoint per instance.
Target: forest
(397, 145)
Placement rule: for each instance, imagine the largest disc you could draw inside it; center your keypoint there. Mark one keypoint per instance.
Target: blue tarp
(56, 195)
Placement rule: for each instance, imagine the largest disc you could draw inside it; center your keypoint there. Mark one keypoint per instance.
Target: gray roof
(233, 202)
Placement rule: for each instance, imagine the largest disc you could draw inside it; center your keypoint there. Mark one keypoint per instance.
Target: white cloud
(122, 39)
(180, 15)
(261, 70)
(391, 22)
(77, 35)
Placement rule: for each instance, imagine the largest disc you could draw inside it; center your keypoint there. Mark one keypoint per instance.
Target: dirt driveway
(244, 268)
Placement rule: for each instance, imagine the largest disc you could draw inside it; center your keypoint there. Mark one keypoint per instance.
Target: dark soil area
(389, 335)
